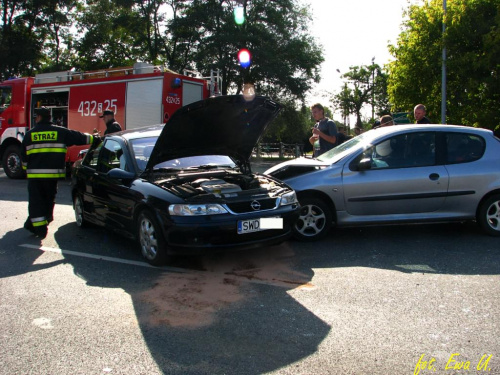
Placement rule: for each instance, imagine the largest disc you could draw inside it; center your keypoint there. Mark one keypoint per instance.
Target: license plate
(255, 225)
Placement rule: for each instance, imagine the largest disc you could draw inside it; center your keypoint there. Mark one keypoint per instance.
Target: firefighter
(44, 155)
(112, 126)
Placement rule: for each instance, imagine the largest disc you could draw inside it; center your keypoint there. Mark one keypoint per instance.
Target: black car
(187, 187)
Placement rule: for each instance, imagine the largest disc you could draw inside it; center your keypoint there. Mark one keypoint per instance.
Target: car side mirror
(82, 153)
(364, 164)
(121, 174)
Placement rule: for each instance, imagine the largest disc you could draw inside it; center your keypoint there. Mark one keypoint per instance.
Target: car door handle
(434, 176)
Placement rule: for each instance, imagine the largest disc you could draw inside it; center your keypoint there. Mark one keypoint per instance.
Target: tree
(44, 35)
(291, 126)
(20, 42)
(473, 61)
(363, 86)
(381, 98)
(107, 35)
(201, 35)
(285, 59)
(343, 101)
(56, 30)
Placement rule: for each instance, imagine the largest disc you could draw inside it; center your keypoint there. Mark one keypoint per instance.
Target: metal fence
(279, 150)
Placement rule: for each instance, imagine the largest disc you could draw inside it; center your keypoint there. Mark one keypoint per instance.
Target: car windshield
(198, 162)
(339, 152)
(143, 147)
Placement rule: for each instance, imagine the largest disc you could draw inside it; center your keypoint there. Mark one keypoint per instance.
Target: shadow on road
(225, 313)
(19, 261)
(233, 312)
(454, 248)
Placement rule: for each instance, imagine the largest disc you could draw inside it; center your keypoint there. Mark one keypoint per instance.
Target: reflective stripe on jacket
(45, 146)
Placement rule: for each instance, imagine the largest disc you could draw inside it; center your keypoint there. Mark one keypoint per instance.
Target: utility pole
(373, 87)
(443, 72)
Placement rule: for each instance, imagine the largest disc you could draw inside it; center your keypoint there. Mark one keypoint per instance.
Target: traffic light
(244, 58)
(239, 15)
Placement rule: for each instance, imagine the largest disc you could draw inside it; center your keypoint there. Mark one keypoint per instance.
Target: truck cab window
(5, 98)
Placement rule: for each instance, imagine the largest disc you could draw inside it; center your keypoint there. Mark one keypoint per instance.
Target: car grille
(250, 206)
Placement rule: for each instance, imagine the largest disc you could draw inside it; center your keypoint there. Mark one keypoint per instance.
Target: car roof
(142, 132)
(428, 127)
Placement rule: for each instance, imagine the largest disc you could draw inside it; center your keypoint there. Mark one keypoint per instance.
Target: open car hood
(224, 125)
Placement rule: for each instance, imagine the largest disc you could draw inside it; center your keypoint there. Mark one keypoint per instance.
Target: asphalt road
(362, 301)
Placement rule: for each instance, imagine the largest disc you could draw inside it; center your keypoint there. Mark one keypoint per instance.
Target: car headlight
(196, 209)
(288, 198)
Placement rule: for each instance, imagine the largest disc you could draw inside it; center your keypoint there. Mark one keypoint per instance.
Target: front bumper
(200, 235)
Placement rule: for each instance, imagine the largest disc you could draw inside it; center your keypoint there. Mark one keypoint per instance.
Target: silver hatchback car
(399, 174)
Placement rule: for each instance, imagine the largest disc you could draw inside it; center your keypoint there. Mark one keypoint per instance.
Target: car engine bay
(221, 185)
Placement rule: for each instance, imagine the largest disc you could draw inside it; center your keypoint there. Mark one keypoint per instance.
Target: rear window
(463, 148)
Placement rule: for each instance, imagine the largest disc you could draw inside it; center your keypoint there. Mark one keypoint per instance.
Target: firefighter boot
(28, 226)
(40, 231)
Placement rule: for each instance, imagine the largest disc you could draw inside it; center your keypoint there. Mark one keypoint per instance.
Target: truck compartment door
(144, 106)
(191, 92)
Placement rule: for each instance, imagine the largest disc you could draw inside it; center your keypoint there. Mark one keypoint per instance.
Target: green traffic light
(239, 15)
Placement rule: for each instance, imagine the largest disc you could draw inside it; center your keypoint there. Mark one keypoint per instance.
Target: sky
(352, 33)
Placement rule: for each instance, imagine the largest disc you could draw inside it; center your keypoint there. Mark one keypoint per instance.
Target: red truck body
(141, 95)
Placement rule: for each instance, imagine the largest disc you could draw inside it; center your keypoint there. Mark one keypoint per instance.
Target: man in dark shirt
(342, 135)
(112, 126)
(419, 113)
(325, 130)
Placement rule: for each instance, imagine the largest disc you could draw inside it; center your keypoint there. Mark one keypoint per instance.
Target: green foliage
(52, 35)
(108, 39)
(364, 85)
(285, 59)
(291, 126)
(473, 61)
(26, 60)
(21, 40)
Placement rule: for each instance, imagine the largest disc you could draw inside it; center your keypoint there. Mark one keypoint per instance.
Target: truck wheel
(488, 215)
(315, 220)
(12, 162)
(151, 241)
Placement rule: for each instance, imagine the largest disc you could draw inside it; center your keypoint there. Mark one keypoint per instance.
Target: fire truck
(140, 95)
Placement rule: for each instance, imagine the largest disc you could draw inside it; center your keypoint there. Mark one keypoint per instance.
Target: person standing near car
(419, 113)
(112, 126)
(341, 135)
(358, 130)
(44, 160)
(386, 120)
(325, 130)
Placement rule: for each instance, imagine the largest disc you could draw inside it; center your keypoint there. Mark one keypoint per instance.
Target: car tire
(315, 220)
(489, 215)
(12, 162)
(80, 220)
(151, 241)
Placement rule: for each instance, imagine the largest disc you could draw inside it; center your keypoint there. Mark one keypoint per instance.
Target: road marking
(101, 257)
